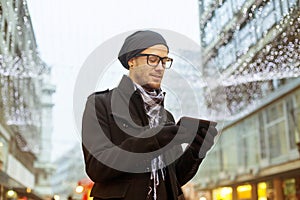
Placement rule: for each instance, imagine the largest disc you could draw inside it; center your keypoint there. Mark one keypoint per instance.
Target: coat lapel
(128, 103)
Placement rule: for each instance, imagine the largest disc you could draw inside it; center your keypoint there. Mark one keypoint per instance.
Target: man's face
(145, 75)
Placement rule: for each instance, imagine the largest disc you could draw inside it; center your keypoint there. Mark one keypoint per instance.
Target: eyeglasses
(153, 60)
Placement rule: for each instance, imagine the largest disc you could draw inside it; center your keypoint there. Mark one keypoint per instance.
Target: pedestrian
(131, 143)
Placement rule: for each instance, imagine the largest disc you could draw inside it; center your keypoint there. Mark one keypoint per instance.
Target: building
(22, 86)
(69, 171)
(43, 165)
(254, 44)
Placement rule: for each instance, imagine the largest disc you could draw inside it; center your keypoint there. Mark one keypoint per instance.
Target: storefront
(11, 190)
(282, 186)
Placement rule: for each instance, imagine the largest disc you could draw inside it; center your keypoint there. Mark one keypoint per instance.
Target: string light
(260, 73)
(20, 72)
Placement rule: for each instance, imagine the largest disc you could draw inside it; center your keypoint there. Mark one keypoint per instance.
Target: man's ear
(131, 62)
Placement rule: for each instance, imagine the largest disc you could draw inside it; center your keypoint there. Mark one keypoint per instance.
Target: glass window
(242, 145)
(1, 12)
(291, 120)
(289, 188)
(297, 115)
(206, 4)
(265, 18)
(237, 5)
(292, 3)
(278, 10)
(274, 112)
(224, 14)
(265, 190)
(277, 139)
(245, 38)
(276, 130)
(212, 63)
(209, 33)
(284, 7)
(229, 150)
(3, 153)
(226, 55)
(252, 140)
(224, 193)
(244, 192)
(262, 137)
(262, 191)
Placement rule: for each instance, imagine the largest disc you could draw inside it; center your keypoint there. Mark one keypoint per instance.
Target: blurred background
(252, 45)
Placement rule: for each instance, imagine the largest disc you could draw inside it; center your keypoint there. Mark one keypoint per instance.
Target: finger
(212, 131)
(209, 137)
(208, 132)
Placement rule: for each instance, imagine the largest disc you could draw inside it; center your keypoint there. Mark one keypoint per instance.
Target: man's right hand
(168, 133)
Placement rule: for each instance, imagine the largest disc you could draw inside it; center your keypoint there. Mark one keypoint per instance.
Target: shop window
(224, 193)
(262, 191)
(244, 192)
(265, 190)
(289, 189)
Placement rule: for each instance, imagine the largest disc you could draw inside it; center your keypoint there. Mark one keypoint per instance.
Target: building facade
(69, 170)
(22, 86)
(255, 46)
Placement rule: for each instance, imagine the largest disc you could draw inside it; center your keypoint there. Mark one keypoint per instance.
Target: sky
(67, 31)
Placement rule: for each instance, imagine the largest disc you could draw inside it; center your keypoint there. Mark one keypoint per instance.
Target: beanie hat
(138, 42)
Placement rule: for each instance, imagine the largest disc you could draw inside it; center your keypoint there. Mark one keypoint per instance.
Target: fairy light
(253, 76)
(20, 71)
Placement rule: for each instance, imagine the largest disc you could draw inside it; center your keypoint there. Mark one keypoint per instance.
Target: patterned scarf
(153, 103)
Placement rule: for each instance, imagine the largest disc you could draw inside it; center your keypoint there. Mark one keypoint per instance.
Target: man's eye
(153, 58)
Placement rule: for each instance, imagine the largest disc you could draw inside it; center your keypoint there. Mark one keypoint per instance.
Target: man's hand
(168, 133)
(203, 141)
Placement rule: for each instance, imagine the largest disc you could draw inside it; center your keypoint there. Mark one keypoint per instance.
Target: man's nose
(159, 66)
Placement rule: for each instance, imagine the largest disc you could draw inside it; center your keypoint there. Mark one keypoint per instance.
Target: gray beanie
(138, 42)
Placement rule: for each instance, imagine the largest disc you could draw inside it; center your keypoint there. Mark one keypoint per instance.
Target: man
(131, 144)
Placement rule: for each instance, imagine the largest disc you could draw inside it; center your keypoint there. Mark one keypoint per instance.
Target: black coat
(107, 129)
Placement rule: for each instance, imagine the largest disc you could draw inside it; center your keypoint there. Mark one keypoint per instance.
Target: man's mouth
(156, 76)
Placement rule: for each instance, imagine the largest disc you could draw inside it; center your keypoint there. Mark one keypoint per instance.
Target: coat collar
(126, 86)
(127, 101)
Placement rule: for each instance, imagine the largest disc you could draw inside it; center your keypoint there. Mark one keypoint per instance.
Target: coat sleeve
(104, 160)
(187, 166)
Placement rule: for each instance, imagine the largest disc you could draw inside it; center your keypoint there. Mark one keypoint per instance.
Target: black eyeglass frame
(160, 60)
